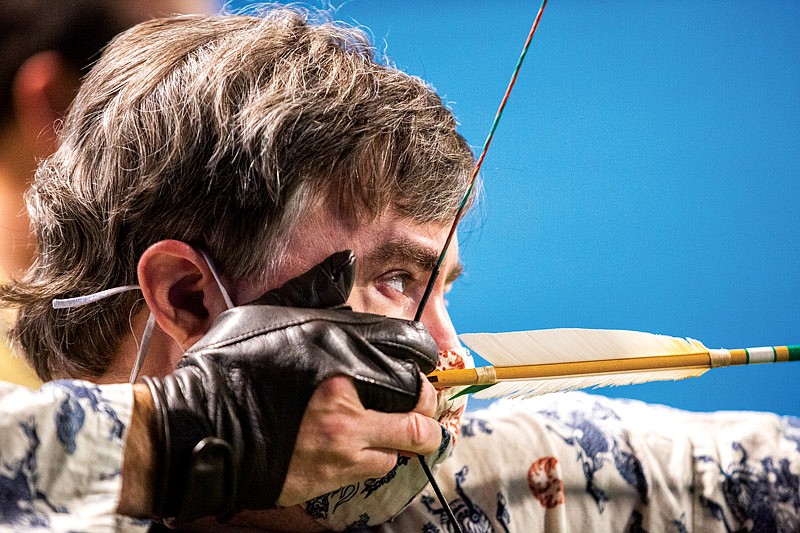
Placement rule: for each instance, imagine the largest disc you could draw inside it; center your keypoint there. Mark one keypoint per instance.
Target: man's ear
(43, 88)
(180, 290)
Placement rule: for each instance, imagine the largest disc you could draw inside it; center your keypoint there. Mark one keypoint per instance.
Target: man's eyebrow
(404, 251)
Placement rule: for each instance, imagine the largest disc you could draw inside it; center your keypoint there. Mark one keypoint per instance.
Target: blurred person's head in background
(46, 46)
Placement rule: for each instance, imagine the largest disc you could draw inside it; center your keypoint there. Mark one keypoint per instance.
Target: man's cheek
(358, 300)
(369, 300)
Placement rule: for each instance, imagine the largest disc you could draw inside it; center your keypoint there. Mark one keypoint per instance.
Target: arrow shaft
(480, 376)
(699, 361)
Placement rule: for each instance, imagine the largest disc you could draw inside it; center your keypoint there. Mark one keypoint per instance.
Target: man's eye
(397, 282)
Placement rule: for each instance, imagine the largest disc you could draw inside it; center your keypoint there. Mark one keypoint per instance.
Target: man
(261, 148)
(45, 48)
(265, 208)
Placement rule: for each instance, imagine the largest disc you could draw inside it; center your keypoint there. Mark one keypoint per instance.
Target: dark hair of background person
(76, 29)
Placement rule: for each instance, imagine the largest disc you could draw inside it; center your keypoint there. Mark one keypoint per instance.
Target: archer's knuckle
(419, 431)
(332, 431)
(335, 386)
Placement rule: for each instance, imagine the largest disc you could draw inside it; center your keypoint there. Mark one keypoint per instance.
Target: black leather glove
(246, 385)
(325, 286)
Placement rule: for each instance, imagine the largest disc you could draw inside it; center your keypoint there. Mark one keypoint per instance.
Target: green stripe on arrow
(794, 352)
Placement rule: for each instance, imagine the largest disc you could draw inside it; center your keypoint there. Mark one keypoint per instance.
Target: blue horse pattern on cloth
(43, 442)
(759, 496)
(71, 414)
(571, 460)
(594, 442)
(598, 464)
(19, 486)
(470, 516)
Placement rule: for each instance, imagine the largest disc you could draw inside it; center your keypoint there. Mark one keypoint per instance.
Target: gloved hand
(245, 385)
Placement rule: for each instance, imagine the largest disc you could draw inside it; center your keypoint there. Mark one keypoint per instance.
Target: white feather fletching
(571, 345)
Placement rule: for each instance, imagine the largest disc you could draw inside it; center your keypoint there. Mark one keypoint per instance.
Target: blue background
(646, 174)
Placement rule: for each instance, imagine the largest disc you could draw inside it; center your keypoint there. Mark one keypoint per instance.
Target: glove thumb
(324, 286)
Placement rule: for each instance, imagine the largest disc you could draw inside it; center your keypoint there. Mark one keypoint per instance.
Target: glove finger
(324, 286)
(405, 340)
(395, 391)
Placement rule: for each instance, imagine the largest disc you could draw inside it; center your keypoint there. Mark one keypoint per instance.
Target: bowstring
(459, 214)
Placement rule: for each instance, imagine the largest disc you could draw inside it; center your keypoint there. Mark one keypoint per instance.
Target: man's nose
(437, 321)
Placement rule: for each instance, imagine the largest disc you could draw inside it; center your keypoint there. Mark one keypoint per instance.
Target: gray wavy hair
(221, 132)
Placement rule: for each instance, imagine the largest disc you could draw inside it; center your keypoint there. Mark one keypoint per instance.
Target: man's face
(394, 260)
